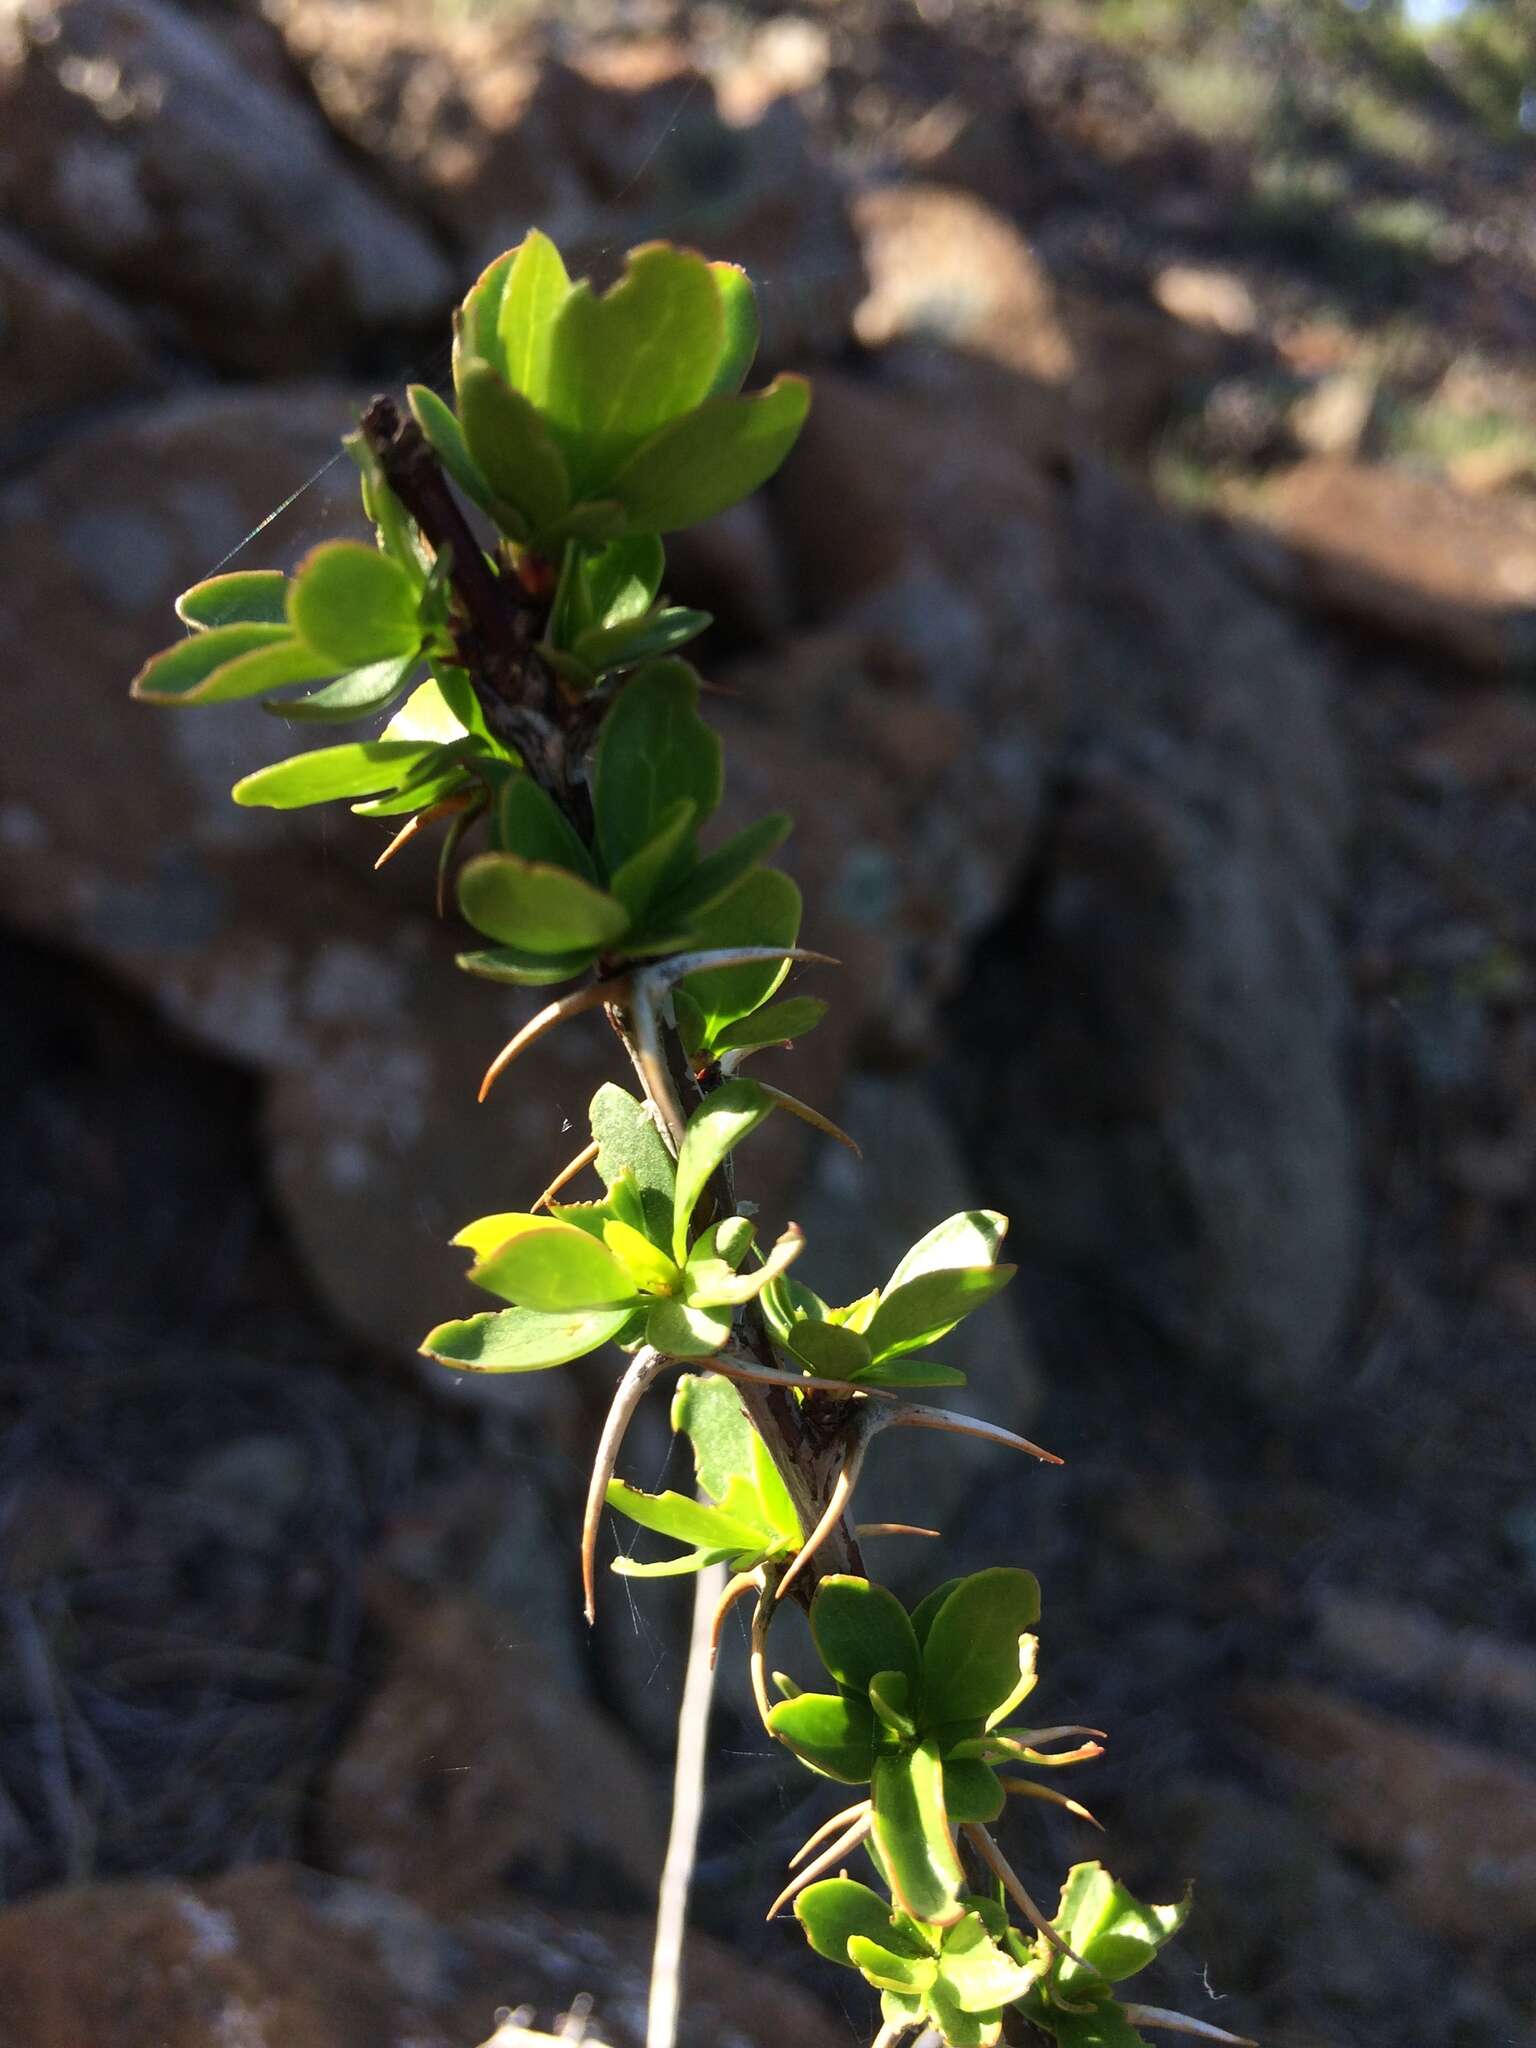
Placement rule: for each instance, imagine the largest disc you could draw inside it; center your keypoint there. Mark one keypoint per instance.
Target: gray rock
(159, 159)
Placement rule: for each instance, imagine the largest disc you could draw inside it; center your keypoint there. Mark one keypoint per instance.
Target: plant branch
(687, 1812)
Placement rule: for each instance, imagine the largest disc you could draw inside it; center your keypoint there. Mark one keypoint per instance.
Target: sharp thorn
(567, 1174)
(627, 1397)
(913, 1415)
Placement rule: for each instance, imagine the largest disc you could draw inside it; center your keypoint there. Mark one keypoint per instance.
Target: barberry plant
(510, 620)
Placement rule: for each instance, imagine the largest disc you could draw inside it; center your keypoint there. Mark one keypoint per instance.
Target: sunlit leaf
(775, 1024)
(834, 1353)
(922, 1310)
(636, 881)
(441, 426)
(681, 1331)
(354, 695)
(626, 361)
(911, 1831)
(835, 1736)
(837, 1909)
(521, 1340)
(511, 447)
(714, 1130)
(358, 768)
(248, 597)
(353, 605)
(554, 1267)
(536, 288)
(738, 305)
(702, 464)
(536, 907)
(629, 1142)
(971, 1655)
(1114, 1933)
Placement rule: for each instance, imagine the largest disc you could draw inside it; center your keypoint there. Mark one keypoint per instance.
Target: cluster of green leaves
(960, 1977)
(587, 416)
(554, 904)
(627, 1269)
(872, 1341)
(917, 1695)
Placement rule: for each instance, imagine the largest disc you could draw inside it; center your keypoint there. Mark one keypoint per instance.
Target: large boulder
(179, 167)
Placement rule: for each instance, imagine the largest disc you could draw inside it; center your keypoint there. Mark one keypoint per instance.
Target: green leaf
(1114, 1933)
(837, 1910)
(528, 822)
(922, 1310)
(351, 696)
(554, 1267)
(624, 363)
(477, 323)
(520, 1340)
(777, 1024)
(911, 1831)
(762, 910)
(926, 1608)
(972, 1790)
(249, 597)
(910, 1372)
(977, 1973)
(710, 1282)
(441, 426)
(510, 445)
(637, 880)
(889, 1971)
(718, 873)
(971, 1655)
(654, 750)
(686, 1521)
(831, 1352)
(651, 1270)
(418, 794)
(181, 673)
(663, 632)
(956, 2027)
(537, 287)
(708, 1411)
(622, 581)
(714, 1130)
(629, 1142)
(704, 463)
(890, 1694)
(972, 1237)
(835, 1736)
(354, 605)
(487, 1234)
(738, 306)
(681, 1331)
(359, 768)
(536, 907)
(518, 969)
(427, 714)
(860, 1629)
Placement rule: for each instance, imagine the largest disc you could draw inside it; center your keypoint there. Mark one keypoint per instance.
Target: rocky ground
(1143, 634)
